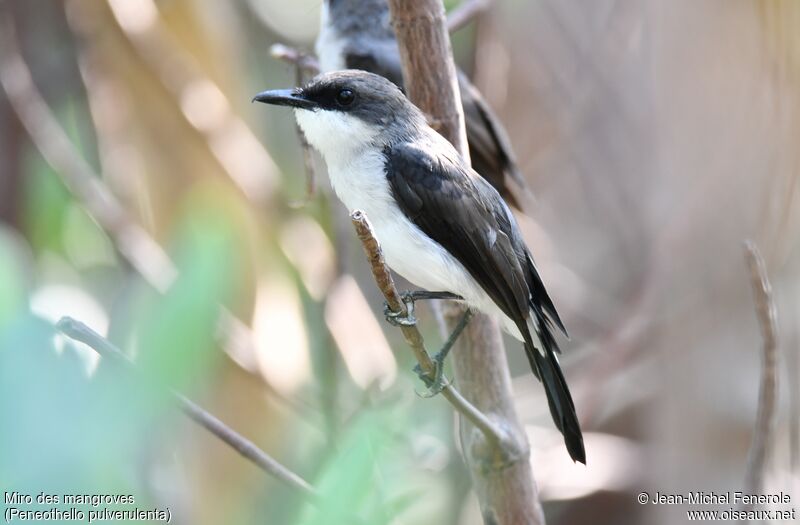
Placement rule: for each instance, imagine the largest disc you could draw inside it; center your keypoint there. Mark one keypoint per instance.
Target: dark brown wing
(464, 214)
(490, 148)
(459, 210)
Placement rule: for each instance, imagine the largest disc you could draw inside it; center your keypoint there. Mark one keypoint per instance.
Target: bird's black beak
(285, 97)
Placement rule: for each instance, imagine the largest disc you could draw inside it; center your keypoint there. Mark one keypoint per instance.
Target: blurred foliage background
(657, 136)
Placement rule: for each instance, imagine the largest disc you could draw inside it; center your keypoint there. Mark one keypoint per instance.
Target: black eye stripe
(340, 96)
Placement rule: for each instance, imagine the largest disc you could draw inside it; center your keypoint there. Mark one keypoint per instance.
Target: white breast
(361, 184)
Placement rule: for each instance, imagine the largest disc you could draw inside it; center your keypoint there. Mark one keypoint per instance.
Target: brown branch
(306, 61)
(506, 491)
(465, 13)
(383, 278)
(429, 73)
(246, 448)
(768, 390)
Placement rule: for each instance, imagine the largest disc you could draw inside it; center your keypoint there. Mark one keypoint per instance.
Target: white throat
(335, 134)
(352, 153)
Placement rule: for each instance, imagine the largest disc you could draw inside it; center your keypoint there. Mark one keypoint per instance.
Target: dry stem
(465, 13)
(294, 56)
(768, 390)
(303, 64)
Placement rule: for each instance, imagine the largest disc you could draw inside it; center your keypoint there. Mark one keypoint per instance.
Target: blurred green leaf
(85, 243)
(13, 280)
(71, 433)
(45, 205)
(177, 333)
(369, 476)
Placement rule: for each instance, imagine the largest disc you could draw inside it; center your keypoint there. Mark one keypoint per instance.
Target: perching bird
(357, 34)
(440, 224)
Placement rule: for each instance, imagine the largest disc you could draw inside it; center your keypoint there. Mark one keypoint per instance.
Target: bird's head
(348, 110)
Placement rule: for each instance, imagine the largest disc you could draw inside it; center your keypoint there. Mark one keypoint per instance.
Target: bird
(357, 34)
(440, 225)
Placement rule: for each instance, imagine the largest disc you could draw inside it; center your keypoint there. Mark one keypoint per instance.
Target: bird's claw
(438, 382)
(435, 380)
(400, 318)
(408, 297)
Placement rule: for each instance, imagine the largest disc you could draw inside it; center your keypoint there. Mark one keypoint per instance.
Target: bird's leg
(437, 383)
(418, 295)
(409, 298)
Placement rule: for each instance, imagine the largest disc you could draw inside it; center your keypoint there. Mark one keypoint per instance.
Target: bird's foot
(400, 318)
(436, 382)
(409, 298)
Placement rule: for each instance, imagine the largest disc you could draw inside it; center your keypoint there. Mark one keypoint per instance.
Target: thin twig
(793, 367)
(412, 335)
(246, 448)
(304, 64)
(296, 57)
(768, 390)
(465, 13)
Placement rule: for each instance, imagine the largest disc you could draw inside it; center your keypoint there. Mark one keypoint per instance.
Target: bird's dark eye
(345, 97)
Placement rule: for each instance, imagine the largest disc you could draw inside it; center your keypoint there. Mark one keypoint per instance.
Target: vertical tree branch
(506, 490)
(768, 389)
(429, 73)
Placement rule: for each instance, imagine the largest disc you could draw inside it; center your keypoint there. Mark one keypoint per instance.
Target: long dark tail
(547, 369)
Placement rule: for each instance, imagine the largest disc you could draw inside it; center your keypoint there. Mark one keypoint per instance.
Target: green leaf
(45, 204)
(362, 480)
(177, 341)
(13, 277)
